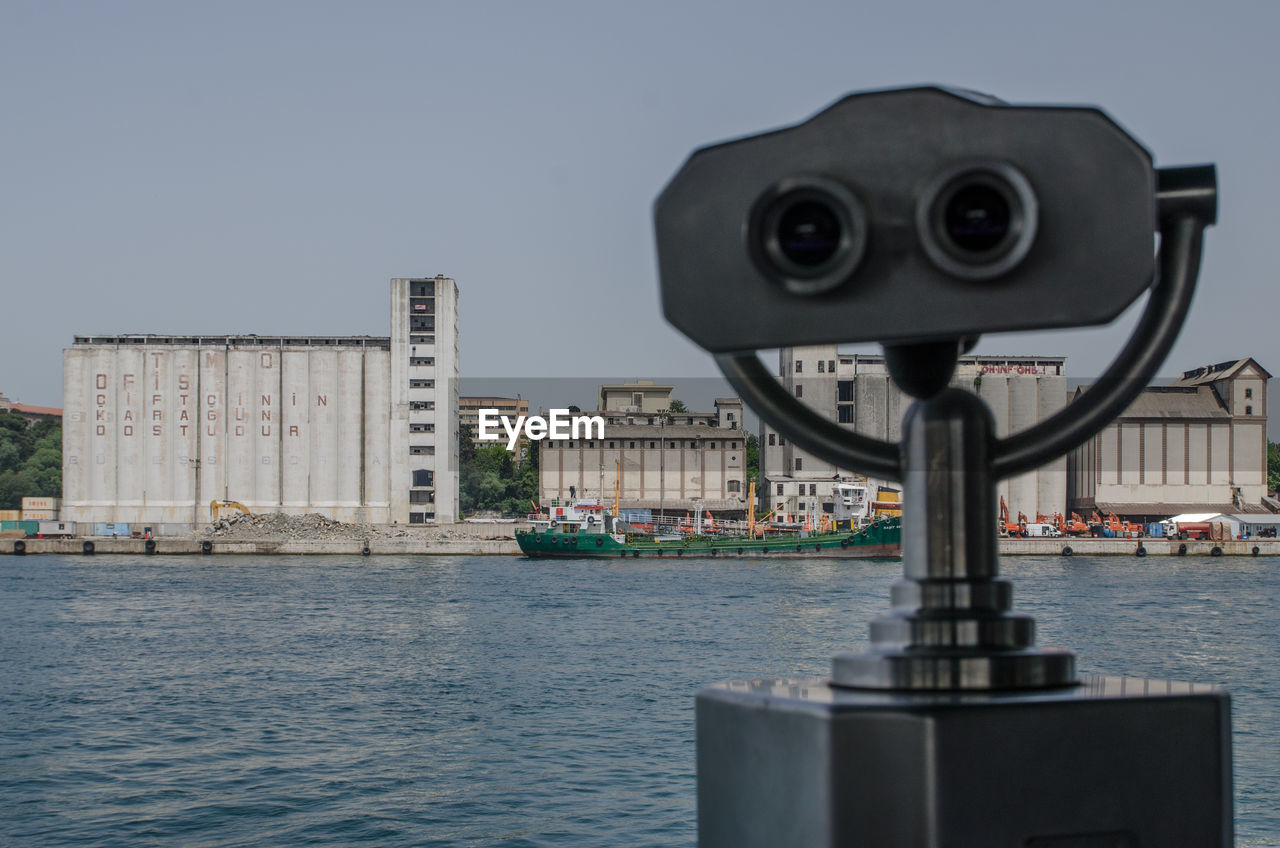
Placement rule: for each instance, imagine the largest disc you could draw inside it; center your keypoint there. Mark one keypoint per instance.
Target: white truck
(1041, 531)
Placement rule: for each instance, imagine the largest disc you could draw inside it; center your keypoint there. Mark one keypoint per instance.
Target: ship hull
(881, 540)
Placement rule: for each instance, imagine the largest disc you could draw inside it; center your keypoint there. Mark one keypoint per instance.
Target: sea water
(239, 701)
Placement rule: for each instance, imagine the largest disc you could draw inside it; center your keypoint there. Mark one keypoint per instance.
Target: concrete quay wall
(137, 547)
(1129, 547)
(507, 546)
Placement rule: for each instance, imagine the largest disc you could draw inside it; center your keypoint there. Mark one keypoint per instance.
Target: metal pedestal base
(1111, 763)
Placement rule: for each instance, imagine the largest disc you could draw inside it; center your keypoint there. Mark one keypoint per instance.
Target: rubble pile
(274, 526)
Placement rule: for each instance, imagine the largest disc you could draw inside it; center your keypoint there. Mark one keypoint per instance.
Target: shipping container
(28, 527)
(49, 529)
(39, 515)
(118, 529)
(40, 503)
(10, 515)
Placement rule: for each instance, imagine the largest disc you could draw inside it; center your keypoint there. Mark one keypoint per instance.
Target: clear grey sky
(239, 167)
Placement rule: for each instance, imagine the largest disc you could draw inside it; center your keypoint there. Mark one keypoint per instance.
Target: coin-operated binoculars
(914, 218)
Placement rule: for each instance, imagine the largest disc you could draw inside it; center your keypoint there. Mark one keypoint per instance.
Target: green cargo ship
(587, 530)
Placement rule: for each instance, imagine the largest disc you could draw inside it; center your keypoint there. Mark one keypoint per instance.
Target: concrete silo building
(356, 428)
(855, 390)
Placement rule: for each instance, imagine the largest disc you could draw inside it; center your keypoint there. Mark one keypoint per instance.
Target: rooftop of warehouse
(251, 340)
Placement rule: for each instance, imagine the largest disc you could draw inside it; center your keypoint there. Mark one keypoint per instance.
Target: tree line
(30, 459)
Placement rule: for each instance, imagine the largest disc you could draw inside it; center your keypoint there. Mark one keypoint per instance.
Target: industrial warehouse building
(356, 428)
(856, 391)
(1196, 446)
(660, 462)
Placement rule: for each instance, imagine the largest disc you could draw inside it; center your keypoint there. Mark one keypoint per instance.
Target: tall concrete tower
(424, 400)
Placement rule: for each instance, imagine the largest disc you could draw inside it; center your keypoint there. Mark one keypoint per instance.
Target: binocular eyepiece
(975, 222)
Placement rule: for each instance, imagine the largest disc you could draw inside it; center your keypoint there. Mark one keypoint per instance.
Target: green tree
(491, 480)
(677, 406)
(753, 458)
(30, 459)
(1273, 466)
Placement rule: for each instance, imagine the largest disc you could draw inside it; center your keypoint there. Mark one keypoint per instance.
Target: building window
(689, 421)
(631, 444)
(733, 445)
(779, 492)
(422, 384)
(773, 438)
(713, 445)
(845, 414)
(651, 421)
(799, 464)
(422, 428)
(728, 416)
(799, 366)
(831, 365)
(844, 390)
(422, 496)
(611, 444)
(799, 390)
(422, 360)
(591, 444)
(422, 288)
(1248, 393)
(651, 445)
(1248, 410)
(422, 340)
(822, 366)
(417, 518)
(781, 441)
(813, 488)
(423, 477)
(735, 486)
(422, 322)
(673, 444)
(637, 400)
(422, 450)
(422, 404)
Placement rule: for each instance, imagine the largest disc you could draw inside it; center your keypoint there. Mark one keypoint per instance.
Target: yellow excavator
(216, 505)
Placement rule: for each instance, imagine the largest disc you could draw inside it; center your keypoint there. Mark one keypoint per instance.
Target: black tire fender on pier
(20, 548)
(206, 547)
(1141, 551)
(365, 551)
(87, 548)
(1216, 551)
(844, 543)
(1067, 551)
(1182, 550)
(600, 541)
(149, 546)
(1256, 550)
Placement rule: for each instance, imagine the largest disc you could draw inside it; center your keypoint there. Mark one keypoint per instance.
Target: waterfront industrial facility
(156, 428)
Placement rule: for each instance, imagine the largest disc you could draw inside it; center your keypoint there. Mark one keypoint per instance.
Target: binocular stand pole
(954, 729)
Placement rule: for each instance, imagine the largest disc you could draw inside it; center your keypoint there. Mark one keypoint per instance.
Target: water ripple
(495, 701)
